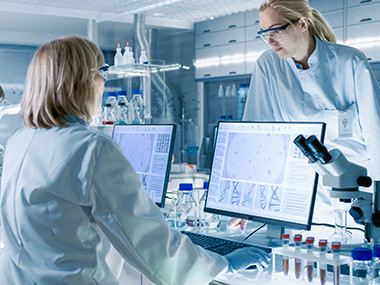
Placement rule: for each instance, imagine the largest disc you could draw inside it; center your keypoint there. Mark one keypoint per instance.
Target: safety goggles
(274, 33)
(103, 71)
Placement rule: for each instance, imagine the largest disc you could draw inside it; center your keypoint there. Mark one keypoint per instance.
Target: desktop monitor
(149, 149)
(258, 173)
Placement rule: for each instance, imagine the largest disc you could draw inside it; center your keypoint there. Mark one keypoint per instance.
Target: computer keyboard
(218, 245)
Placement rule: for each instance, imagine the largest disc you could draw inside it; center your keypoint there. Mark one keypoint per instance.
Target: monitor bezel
(265, 219)
(170, 155)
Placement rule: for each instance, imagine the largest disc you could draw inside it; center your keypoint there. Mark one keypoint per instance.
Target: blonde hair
(61, 82)
(295, 9)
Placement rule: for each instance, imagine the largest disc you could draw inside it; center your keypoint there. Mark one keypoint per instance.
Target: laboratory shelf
(133, 70)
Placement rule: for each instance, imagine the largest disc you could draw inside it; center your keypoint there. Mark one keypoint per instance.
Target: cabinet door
(362, 33)
(230, 61)
(338, 34)
(363, 14)
(252, 17)
(220, 38)
(351, 3)
(334, 18)
(253, 50)
(220, 24)
(251, 33)
(326, 5)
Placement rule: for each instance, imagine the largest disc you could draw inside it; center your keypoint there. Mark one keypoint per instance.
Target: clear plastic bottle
(361, 267)
(207, 221)
(137, 107)
(128, 54)
(118, 59)
(322, 266)
(335, 247)
(220, 91)
(310, 264)
(109, 109)
(233, 90)
(185, 208)
(285, 259)
(376, 264)
(297, 261)
(122, 114)
(143, 57)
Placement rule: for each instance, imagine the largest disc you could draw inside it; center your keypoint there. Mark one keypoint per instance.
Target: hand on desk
(242, 258)
(235, 222)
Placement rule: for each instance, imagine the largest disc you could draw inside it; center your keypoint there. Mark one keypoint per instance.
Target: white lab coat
(339, 87)
(60, 187)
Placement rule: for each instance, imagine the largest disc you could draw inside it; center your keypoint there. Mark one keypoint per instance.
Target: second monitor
(259, 174)
(149, 149)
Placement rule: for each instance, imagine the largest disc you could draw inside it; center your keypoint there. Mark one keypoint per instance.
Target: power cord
(332, 226)
(248, 236)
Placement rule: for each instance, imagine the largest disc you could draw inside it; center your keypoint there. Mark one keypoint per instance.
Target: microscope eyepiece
(318, 149)
(300, 142)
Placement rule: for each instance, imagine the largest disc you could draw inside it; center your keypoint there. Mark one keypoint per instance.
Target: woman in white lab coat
(306, 76)
(63, 183)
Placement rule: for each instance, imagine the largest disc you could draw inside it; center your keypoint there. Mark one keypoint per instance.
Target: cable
(248, 236)
(332, 226)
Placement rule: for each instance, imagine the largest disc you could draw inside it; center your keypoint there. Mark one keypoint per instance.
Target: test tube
(335, 247)
(310, 264)
(322, 266)
(285, 245)
(297, 244)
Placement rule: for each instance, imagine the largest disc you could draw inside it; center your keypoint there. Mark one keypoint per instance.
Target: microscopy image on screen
(266, 164)
(138, 149)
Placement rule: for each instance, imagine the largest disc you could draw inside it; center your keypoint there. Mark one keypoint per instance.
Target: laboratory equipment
(361, 267)
(297, 261)
(257, 173)
(122, 111)
(335, 248)
(143, 57)
(207, 221)
(285, 259)
(128, 55)
(310, 264)
(322, 266)
(118, 59)
(376, 264)
(186, 208)
(344, 178)
(149, 149)
(137, 107)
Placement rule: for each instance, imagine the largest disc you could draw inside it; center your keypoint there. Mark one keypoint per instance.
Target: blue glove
(242, 258)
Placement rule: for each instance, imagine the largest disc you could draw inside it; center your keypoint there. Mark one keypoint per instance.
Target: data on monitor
(258, 171)
(147, 148)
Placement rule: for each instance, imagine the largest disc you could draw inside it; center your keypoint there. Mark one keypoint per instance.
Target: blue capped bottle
(186, 208)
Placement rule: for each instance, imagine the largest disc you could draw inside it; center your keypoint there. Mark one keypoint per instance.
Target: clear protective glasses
(103, 71)
(274, 33)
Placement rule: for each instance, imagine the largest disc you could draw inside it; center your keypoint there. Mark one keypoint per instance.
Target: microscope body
(345, 178)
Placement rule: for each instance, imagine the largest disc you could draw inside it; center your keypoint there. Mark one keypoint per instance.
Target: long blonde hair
(295, 9)
(61, 82)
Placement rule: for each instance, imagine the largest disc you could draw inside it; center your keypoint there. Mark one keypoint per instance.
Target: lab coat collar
(313, 59)
(71, 120)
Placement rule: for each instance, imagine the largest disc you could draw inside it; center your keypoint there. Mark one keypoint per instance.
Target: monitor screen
(149, 149)
(258, 173)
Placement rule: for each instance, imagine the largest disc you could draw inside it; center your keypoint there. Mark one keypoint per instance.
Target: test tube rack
(304, 255)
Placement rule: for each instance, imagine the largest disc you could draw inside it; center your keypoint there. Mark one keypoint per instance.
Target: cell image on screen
(259, 173)
(261, 157)
(148, 148)
(138, 149)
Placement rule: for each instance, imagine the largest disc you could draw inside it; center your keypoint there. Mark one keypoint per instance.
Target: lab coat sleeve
(258, 106)
(367, 95)
(137, 229)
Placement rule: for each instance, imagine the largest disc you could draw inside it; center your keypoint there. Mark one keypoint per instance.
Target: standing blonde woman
(306, 76)
(63, 183)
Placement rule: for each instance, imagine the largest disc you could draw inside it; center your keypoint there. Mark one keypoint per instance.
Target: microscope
(344, 178)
